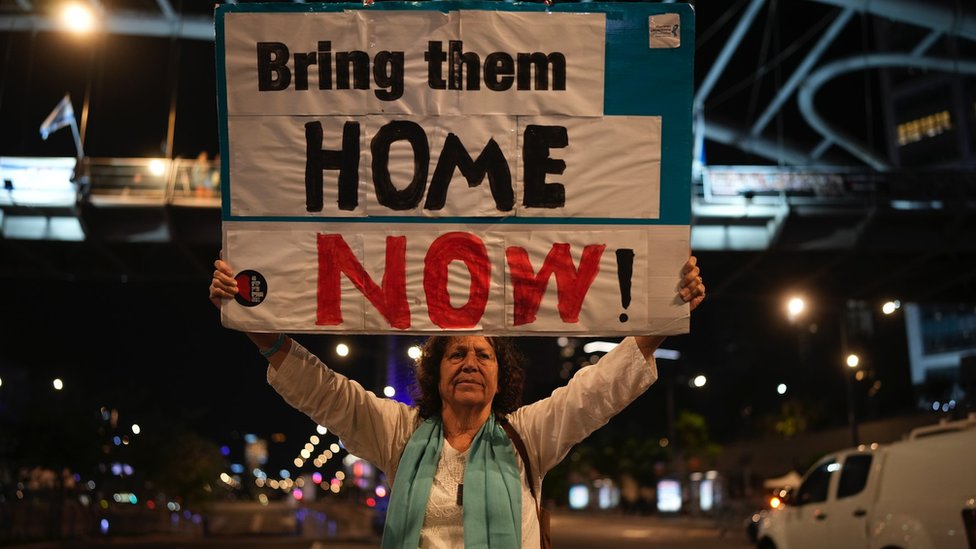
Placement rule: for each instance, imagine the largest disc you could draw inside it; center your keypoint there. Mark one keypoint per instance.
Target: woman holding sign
(466, 464)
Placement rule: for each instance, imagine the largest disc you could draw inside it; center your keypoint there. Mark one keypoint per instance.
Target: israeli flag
(62, 115)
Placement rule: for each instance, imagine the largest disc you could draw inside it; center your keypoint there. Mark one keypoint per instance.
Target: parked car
(918, 493)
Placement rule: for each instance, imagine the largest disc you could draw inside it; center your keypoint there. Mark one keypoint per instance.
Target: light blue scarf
(492, 489)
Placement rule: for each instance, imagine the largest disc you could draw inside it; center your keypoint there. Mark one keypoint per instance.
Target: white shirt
(377, 429)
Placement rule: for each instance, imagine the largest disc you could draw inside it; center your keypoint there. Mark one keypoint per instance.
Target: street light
(795, 307)
(78, 18)
(852, 362)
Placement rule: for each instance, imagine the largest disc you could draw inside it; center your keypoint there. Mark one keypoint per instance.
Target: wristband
(267, 353)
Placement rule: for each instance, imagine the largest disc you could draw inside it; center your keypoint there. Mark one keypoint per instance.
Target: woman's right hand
(223, 285)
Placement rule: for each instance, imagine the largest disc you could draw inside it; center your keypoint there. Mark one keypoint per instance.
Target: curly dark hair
(427, 372)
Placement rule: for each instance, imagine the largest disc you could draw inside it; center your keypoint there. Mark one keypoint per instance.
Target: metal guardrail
(33, 184)
(151, 181)
(46, 182)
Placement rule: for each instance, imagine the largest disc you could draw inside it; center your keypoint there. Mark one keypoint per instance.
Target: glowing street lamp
(78, 18)
(795, 307)
(852, 362)
(890, 307)
(342, 349)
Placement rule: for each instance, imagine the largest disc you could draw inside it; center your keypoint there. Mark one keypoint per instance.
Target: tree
(183, 464)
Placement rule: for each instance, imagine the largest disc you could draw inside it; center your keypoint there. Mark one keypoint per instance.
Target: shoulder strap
(523, 453)
(545, 541)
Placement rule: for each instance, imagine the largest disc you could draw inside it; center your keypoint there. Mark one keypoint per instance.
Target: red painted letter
(471, 250)
(571, 285)
(390, 299)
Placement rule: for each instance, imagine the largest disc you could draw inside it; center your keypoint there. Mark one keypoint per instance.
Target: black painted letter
(386, 193)
(536, 142)
(491, 161)
(346, 160)
(273, 73)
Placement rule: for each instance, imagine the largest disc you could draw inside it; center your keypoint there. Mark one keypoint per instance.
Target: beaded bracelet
(267, 353)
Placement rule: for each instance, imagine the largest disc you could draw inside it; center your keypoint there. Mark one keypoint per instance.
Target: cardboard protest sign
(474, 167)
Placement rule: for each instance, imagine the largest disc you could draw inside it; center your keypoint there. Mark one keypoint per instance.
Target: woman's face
(469, 372)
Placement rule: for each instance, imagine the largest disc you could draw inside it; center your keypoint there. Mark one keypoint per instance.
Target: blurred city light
(669, 496)
(342, 349)
(781, 389)
(136, 429)
(700, 381)
(157, 167)
(890, 306)
(579, 496)
(414, 352)
(78, 18)
(599, 347)
(1, 382)
(103, 526)
(314, 439)
(321, 430)
(853, 360)
(389, 391)
(795, 307)
(667, 354)
(58, 384)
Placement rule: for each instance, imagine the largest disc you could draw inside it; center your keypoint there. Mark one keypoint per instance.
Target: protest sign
(474, 167)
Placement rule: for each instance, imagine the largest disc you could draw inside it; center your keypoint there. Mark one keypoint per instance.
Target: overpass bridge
(900, 234)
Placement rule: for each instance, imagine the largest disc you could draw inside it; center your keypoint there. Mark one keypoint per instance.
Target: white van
(918, 493)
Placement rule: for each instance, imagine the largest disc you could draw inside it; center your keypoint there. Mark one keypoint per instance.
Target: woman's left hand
(692, 288)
